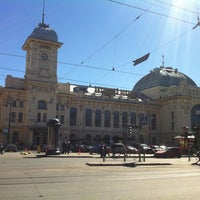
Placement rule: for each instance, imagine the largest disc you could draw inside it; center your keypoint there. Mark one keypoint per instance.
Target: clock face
(44, 56)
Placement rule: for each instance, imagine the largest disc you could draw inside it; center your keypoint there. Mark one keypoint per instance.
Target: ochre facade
(155, 113)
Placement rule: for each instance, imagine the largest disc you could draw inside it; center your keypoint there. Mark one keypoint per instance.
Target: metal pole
(149, 124)
(9, 120)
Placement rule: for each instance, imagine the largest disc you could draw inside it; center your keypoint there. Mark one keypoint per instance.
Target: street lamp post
(149, 117)
(9, 121)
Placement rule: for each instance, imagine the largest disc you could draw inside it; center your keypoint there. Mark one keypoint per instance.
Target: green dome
(163, 76)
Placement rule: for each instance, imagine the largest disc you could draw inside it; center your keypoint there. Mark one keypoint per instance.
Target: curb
(128, 164)
(153, 164)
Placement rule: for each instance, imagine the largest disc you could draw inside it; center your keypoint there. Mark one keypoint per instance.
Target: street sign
(5, 131)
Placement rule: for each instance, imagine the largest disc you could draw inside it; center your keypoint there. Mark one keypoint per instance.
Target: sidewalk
(149, 160)
(131, 161)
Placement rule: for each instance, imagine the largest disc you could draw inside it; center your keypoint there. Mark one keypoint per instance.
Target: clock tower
(41, 54)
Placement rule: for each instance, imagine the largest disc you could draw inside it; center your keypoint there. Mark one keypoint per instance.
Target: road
(56, 178)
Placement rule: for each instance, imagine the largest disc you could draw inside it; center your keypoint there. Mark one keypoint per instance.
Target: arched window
(73, 116)
(195, 116)
(98, 118)
(124, 119)
(88, 117)
(116, 119)
(133, 118)
(42, 105)
(107, 118)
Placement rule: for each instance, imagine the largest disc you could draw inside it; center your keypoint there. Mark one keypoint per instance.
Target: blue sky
(101, 35)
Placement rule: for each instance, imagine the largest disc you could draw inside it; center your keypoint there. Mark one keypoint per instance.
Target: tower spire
(43, 13)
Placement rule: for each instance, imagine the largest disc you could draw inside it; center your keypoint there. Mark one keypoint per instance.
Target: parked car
(131, 149)
(97, 149)
(146, 149)
(119, 148)
(1, 148)
(158, 148)
(11, 148)
(169, 152)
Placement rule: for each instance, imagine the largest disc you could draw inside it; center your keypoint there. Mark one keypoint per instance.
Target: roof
(163, 76)
(43, 32)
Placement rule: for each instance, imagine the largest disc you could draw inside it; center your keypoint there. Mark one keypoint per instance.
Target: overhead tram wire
(165, 44)
(65, 63)
(117, 35)
(104, 45)
(181, 8)
(98, 68)
(172, 40)
(14, 55)
(106, 69)
(153, 12)
(115, 38)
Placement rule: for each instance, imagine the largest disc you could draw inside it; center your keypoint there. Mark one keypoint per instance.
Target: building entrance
(40, 138)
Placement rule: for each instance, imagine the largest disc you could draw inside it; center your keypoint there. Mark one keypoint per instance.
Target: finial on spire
(163, 60)
(43, 12)
(43, 24)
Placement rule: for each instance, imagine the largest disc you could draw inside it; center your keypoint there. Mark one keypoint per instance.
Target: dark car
(1, 148)
(11, 148)
(118, 148)
(98, 149)
(169, 152)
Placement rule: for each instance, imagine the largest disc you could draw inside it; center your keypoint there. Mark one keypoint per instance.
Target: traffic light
(130, 129)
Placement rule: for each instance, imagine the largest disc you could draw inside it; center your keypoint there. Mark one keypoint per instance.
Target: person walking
(64, 147)
(68, 147)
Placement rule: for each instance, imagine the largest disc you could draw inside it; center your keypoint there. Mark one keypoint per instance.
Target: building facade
(154, 112)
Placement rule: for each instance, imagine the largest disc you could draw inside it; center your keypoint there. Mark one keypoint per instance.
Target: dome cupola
(43, 32)
(163, 77)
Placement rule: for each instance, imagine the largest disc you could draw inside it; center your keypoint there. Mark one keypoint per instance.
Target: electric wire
(106, 69)
(172, 5)
(117, 35)
(153, 12)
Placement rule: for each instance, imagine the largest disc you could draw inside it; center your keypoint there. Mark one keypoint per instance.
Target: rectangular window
(124, 119)
(44, 117)
(21, 104)
(107, 118)
(20, 117)
(73, 116)
(42, 105)
(38, 117)
(98, 118)
(13, 116)
(116, 119)
(172, 114)
(88, 117)
(14, 104)
(133, 118)
(62, 107)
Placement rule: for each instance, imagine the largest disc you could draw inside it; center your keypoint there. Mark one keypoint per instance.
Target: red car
(169, 152)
